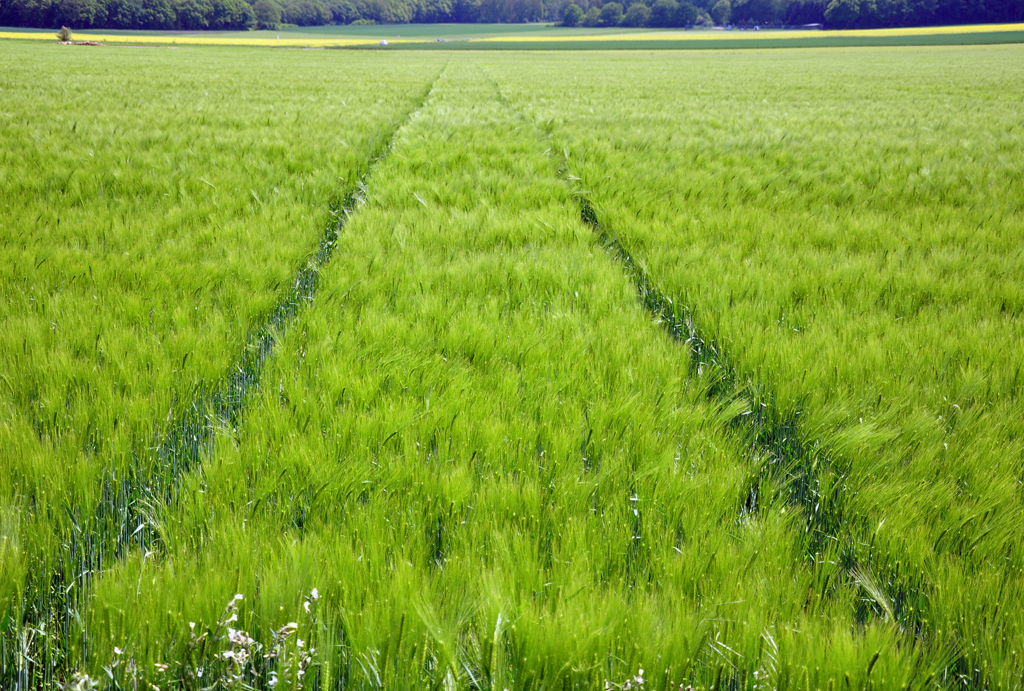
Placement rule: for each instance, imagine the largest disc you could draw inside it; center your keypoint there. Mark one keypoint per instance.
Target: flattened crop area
(511, 370)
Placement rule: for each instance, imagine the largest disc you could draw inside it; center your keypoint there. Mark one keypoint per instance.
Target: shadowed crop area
(347, 370)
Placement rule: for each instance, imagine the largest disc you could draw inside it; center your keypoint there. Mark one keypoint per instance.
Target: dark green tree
(686, 14)
(573, 15)
(611, 14)
(307, 13)
(82, 14)
(231, 14)
(663, 13)
(842, 14)
(494, 11)
(763, 11)
(192, 15)
(465, 10)
(799, 12)
(154, 14)
(342, 11)
(434, 11)
(637, 15)
(721, 12)
(527, 10)
(121, 14)
(29, 13)
(267, 13)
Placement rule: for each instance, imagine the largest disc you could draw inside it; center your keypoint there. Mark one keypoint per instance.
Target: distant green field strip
(495, 471)
(597, 43)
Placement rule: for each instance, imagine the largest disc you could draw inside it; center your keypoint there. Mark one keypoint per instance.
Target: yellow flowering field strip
(599, 38)
(717, 35)
(150, 38)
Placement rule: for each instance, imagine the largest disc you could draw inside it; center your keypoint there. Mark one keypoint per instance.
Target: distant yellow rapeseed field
(213, 40)
(755, 35)
(239, 39)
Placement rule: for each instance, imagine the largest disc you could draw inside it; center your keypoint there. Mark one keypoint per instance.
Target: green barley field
(511, 370)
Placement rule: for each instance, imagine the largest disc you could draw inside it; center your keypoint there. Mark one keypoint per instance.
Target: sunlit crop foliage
(511, 371)
(151, 220)
(852, 244)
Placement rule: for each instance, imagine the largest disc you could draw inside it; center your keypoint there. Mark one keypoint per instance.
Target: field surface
(511, 370)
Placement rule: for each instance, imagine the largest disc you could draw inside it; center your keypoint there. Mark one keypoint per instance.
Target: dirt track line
(793, 467)
(790, 465)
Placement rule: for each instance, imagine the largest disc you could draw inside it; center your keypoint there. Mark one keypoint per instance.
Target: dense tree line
(243, 14)
(839, 14)
(246, 14)
(138, 14)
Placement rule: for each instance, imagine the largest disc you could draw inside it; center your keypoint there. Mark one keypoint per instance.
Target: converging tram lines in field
(473, 461)
(857, 253)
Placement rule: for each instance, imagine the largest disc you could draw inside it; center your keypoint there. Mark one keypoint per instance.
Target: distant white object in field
(383, 43)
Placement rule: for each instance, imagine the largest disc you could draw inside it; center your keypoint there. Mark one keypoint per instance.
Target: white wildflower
(239, 638)
(239, 657)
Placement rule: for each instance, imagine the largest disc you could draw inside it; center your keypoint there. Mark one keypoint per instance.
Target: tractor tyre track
(125, 516)
(790, 465)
